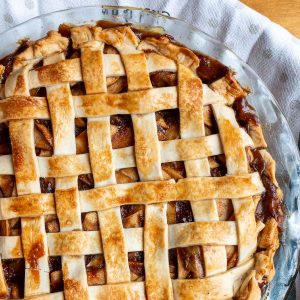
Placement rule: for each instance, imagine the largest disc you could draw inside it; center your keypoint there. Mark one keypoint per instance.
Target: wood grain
(284, 12)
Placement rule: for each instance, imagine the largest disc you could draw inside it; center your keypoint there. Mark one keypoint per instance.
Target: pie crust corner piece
(131, 167)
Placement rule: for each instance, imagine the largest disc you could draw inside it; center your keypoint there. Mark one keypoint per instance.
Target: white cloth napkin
(269, 49)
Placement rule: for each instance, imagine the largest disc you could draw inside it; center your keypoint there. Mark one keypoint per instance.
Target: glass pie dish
(277, 133)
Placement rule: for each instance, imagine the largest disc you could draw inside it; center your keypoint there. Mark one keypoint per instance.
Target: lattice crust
(198, 104)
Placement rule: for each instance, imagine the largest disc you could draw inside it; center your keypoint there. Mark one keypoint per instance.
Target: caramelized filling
(217, 165)
(81, 136)
(210, 124)
(90, 221)
(85, 182)
(173, 263)
(65, 30)
(11, 227)
(8, 60)
(122, 131)
(127, 175)
(133, 215)
(184, 212)
(38, 92)
(14, 272)
(163, 78)
(52, 223)
(109, 24)
(167, 122)
(116, 85)
(136, 265)
(218, 171)
(80, 125)
(47, 184)
(173, 170)
(245, 113)
(56, 281)
(43, 138)
(210, 69)
(190, 262)
(5, 146)
(232, 256)
(95, 269)
(144, 33)
(7, 185)
(78, 89)
(269, 205)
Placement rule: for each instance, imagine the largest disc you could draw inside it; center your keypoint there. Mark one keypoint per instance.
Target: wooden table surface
(283, 12)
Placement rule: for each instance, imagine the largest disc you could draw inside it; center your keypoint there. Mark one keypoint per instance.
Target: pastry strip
(103, 169)
(172, 150)
(66, 191)
(191, 101)
(236, 162)
(33, 236)
(148, 163)
(222, 286)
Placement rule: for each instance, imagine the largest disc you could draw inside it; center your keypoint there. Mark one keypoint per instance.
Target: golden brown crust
(219, 187)
(270, 167)
(158, 284)
(24, 107)
(114, 246)
(74, 243)
(122, 291)
(220, 224)
(83, 35)
(62, 117)
(136, 70)
(268, 241)
(244, 212)
(27, 205)
(75, 286)
(101, 155)
(147, 152)
(32, 243)
(59, 72)
(2, 69)
(264, 266)
(203, 233)
(137, 102)
(74, 290)
(164, 46)
(93, 73)
(24, 159)
(66, 204)
(75, 69)
(221, 286)
(53, 43)
(229, 88)
(249, 289)
(152, 192)
(119, 37)
(66, 165)
(256, 134)
(190, 103)
(232, 141)
(135, 193)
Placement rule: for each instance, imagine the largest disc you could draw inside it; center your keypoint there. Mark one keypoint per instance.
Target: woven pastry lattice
(136, 61)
